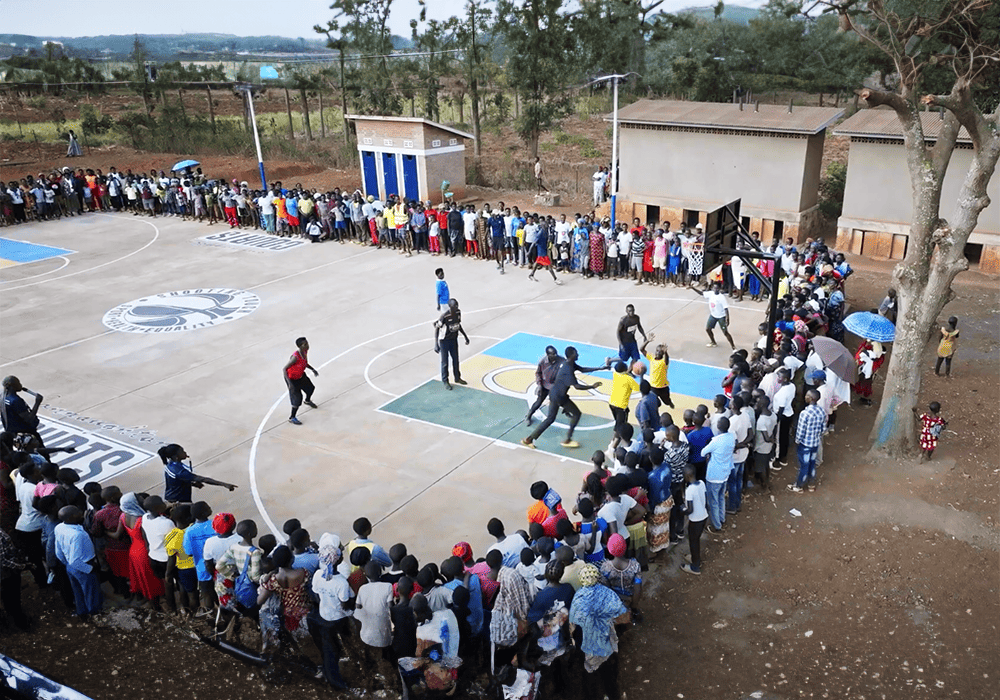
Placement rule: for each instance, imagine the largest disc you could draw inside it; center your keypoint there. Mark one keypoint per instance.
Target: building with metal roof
(411, 157)
(878, 203)
(680, 160)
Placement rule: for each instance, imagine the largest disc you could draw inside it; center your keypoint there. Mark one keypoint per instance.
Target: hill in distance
(737, 14)
(166, 47)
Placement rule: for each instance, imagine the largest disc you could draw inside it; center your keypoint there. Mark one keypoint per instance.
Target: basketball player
(298, 383)
(559, 397)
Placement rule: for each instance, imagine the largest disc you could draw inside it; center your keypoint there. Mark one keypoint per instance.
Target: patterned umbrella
(836, 358)
(871, 326)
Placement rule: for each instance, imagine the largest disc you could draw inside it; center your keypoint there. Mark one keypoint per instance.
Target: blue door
(389, 173)
(410, 186)
(370, 171)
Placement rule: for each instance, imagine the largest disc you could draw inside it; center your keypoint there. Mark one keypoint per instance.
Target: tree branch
(878, 98)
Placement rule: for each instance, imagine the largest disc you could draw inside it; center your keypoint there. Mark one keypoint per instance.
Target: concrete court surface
(217, 389)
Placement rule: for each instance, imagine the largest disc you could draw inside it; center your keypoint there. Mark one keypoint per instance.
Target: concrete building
(410, 156)
(878, 204)
(681, 160)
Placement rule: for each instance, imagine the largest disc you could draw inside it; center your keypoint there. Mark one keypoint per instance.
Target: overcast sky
(291, 18)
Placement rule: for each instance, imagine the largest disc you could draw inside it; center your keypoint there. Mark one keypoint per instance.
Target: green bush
(831, 190)
(93, 122)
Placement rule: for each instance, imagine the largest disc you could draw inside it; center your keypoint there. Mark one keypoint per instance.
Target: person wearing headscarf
(224, 525)
(328, 623)
(622, 575)
(550, 612)
(142, 579)
(593, 612)
(510, 608)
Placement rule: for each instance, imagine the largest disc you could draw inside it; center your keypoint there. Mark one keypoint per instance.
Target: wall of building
(444, 166)
(878, 195)
(706, 170)
(812, 171)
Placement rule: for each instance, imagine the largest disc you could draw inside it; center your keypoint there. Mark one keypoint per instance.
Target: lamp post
(614, 78)
(248, 91)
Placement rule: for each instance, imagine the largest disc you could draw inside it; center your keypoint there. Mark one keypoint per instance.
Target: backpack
(245, 590)
(146, 192)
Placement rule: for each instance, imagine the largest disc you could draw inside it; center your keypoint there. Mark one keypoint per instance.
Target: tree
(436, 39)
(363, 26)
(946, 55)
(540, 45)
(138, 59)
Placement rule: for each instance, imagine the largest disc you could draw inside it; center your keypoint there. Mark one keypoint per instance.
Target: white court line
(60, 347)
(42, 274)
(403, 345)
(252, 460)
(96, 267)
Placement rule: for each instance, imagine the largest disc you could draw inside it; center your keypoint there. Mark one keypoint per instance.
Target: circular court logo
(187, 310)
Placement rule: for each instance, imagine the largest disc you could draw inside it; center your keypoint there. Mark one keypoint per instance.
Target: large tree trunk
(305, 113)
(935, 249)
(322, 124)
(211, 107)
(288, 109)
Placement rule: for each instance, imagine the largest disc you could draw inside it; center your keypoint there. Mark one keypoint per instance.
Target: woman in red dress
(141, 578)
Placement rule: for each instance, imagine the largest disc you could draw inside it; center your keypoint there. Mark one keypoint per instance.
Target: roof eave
(412, 120)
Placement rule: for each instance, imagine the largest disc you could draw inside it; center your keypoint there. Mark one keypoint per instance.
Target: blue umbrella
(871, 326)
(185, 164)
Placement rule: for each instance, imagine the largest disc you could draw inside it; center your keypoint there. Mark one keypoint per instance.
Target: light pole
(248, 91)
(614, 78)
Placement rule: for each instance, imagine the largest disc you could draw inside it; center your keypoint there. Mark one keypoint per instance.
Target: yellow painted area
(6, 263)
(502, 376)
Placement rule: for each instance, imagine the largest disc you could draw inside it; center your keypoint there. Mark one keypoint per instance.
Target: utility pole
(614, 78)
(247, 90)
(343, 96)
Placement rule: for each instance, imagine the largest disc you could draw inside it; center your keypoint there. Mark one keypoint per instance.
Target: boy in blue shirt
(441, 289)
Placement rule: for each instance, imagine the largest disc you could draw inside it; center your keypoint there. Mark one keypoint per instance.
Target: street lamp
(248, 91)
(614, 78)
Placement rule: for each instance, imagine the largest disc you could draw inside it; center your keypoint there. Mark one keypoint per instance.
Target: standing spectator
(889, 306)
(720, 465)
(14, 412)
(697, 514)
(594, 610)
(372, 612)
(808, 434)
(783, 398)
(75, 551)
(946, 348)
(328, 623)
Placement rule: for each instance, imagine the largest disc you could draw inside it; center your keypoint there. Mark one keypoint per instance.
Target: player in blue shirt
(441, 289)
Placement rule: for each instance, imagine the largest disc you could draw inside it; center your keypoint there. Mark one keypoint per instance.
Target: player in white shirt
(718, 314)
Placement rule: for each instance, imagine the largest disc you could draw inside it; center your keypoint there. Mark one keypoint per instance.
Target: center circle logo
(186, 310)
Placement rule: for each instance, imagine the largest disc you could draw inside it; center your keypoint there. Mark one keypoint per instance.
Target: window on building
(779, 230)
(652, 215)
(973, 253)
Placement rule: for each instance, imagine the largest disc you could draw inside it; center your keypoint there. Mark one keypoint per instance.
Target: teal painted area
(21, 252)
(685, 378)
(492, 416)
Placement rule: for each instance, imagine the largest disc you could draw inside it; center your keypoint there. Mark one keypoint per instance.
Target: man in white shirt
(469, 229)
(741, 426)
(329, 623)
(718, 314)
(782, 404)
(615, 511)
(600, 177)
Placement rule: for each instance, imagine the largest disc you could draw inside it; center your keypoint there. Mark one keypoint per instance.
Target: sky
(290, 18)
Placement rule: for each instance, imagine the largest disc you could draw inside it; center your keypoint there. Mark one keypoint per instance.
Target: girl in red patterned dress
(931, 425)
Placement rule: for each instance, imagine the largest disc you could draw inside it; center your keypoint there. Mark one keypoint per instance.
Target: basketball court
(141, 332)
